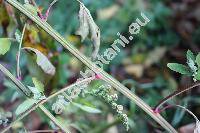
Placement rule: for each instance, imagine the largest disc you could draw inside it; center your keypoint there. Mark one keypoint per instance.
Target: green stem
(53, 119)
(44, 131)
(176, 93)
(19, 53)
(105, 76)
(34, 107)
(23, 89)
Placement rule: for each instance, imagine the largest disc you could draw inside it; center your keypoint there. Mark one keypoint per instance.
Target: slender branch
(105, 76)
(44, 131)
(53, 118)
(34, 107)
(19, 53)
(190, 112)
(176, 93)
(23, 89)
(182, 107)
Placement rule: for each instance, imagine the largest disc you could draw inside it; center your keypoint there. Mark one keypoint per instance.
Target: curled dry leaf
(88, 26)
(43, 61)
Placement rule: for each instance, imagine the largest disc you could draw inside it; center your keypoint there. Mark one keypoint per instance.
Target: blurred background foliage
(174, 28)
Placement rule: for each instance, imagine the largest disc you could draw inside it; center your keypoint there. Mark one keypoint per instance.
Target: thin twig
(182, 107)
(24, 90)
(19, 53)
(44, 101)
(176, 93)
(43, 131)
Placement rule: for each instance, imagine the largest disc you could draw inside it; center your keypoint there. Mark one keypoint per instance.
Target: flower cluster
(4, 118)
(104, 93)
(60, 104)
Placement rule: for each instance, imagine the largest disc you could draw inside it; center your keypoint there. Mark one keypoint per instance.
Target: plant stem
(44, 131)
(176, 93)
(19, 53)
(34, 107)
(53, 118)
(22, 88)
(105, 76)
(182, 107)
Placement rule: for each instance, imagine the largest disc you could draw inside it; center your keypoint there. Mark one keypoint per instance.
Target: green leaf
(27, 104)
(190, 55)
(4, 45)
(34, 90)
(43, 61)
(39, 85)
(87, 108)
(197, 76)
(179, 68)
(198, 60)
(31, 8)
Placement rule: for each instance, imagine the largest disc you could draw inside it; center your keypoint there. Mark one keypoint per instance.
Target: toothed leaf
(179, 68)
(190, 55)
(198, 60)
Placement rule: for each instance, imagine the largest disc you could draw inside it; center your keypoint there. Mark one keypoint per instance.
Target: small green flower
(104, 93)
(119, 107)
(59, 105)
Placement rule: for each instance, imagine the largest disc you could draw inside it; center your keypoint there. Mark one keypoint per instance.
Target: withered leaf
(88, 26)
(42, 61)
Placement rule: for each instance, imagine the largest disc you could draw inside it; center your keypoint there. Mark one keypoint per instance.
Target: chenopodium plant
(191, 69)
(35, 95)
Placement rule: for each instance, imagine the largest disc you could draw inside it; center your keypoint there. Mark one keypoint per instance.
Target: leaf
(39, 85)
(83, 29)
(31, 8)
(34, 90)
(4, 45)
(197, 76)
(190, 55)
(198, 60)
(87, 25)
(87, 108)
(179, 68)
(36, 94)
(43, 61)
(27, 104)
(192, 65)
